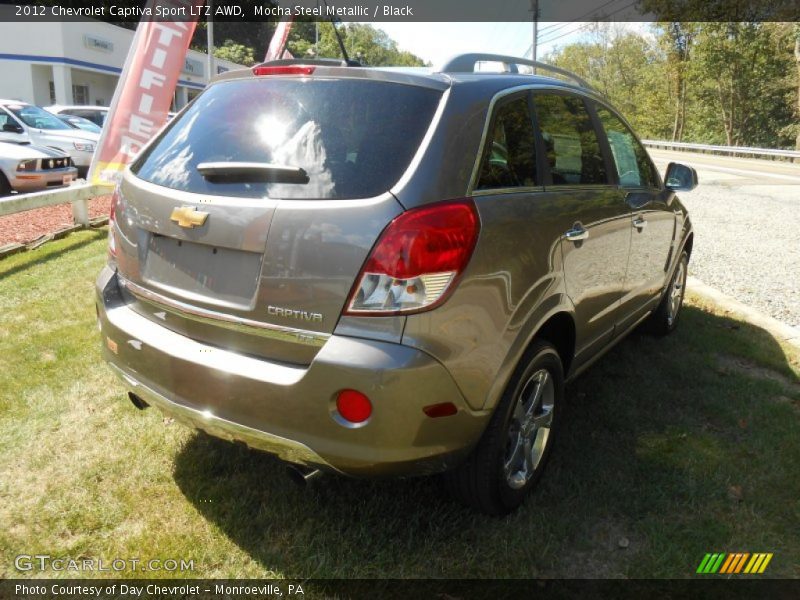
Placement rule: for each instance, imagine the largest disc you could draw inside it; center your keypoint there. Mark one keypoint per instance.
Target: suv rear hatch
(247, 221)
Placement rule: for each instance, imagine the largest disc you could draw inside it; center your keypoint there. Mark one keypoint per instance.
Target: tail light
(416, 260)
(283, 70)
(112, 240)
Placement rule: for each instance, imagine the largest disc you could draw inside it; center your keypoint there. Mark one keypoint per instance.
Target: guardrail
(732, 150)
(78, 194)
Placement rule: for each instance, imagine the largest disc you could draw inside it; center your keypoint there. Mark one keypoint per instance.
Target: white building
(48, 63)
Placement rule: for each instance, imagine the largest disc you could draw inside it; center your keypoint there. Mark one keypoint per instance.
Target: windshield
(81, 123)
(353, 138)
(35, 117)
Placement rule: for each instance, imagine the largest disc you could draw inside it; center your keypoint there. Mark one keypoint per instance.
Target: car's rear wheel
(665, 318)
(511, 455)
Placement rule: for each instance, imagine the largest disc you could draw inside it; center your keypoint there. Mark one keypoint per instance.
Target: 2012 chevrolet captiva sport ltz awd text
(388, 272)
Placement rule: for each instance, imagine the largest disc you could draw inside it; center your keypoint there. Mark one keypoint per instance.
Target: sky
(435, 42)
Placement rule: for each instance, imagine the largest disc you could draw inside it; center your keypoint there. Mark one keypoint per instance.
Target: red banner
(145, 90)
(278, 41)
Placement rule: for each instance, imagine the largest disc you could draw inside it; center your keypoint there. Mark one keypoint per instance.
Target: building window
(80, 94)
(52, 93)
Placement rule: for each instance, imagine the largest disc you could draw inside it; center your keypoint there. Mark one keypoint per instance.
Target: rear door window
(353, 138)
(570, 141)
(509, 159)
(634, 167)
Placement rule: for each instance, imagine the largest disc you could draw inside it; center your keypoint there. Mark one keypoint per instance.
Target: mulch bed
(25, 227)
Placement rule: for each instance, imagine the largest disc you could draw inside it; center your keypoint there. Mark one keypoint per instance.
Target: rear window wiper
(251, 172)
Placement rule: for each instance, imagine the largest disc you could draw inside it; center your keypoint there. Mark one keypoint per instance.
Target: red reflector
(353, 406)
(284, 70)
(443, 409)
(432, 239)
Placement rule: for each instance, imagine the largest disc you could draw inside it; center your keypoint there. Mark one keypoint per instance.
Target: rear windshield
(353, 138)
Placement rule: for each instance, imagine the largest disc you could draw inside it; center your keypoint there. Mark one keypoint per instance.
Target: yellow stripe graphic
(761, 558)
(741, 562)
(765, 563)
(752, 562)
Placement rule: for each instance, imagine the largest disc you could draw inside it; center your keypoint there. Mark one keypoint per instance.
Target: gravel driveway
(747, 243)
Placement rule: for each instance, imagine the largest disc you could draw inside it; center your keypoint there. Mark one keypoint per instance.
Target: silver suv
(386, 272)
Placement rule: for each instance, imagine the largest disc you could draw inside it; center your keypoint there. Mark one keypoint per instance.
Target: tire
(665, 318)
(502, 469)
(5, 187)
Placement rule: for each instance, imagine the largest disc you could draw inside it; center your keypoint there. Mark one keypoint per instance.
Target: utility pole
(535, 11)
(316, 34)
(210, 39)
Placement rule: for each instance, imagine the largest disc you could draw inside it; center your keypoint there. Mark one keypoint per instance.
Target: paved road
(746, 215)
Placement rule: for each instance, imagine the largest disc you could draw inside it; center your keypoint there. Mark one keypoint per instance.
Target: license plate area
(201, 272)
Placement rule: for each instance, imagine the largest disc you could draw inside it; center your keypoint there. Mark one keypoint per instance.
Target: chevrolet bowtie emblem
(188, 216)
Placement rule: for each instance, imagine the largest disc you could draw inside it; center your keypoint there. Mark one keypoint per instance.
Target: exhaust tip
(137, 402)
(302, 477)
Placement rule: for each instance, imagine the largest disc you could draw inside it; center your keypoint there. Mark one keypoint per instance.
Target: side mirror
(681, 178)
(12, 128)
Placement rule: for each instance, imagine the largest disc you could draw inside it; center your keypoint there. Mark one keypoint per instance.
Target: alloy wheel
(676, 292)
(529, 430)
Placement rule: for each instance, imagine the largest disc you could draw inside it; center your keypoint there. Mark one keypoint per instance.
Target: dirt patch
(25, 227)
(745, 367)
(612, 548)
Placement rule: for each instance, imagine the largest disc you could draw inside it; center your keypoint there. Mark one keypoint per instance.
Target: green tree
(675, 39)
(363, 42)
(743, 90)
(238, 53)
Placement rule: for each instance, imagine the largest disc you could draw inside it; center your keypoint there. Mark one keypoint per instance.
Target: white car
(22, 122)
(26, 168)
(96, 114)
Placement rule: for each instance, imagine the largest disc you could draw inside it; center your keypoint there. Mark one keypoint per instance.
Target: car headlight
(27, 165)
(83, 146)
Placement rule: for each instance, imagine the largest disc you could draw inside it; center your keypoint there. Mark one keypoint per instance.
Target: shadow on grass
(664, 455)
(48, 251)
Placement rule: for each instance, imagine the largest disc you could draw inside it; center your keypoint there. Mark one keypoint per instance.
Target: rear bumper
(286, 449)
(288, 410)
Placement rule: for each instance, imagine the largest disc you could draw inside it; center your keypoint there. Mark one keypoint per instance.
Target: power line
(565, 34)
(619, 10)
(591, 12)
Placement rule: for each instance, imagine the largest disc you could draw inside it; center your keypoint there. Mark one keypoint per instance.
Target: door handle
(577, 233)
(640, 223)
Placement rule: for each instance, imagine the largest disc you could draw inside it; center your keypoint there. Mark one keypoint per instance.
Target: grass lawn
(672, 448)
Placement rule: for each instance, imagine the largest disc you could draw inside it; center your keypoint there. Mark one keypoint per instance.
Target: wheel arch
(558, 328)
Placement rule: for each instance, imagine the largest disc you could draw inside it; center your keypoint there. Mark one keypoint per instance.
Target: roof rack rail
(321, 62)
(465, 63)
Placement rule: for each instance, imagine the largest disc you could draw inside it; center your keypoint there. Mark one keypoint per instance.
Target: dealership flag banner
(278, 41)
(144, 93)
